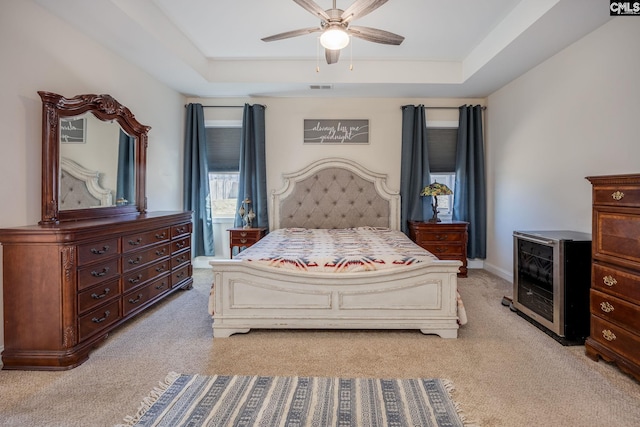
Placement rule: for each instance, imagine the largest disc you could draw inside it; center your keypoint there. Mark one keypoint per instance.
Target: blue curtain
(414, 168)
(196, 181)
(252, 183)
(469, 199)
(126, 179)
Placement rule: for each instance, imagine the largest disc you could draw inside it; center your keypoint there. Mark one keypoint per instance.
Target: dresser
(446, 240)
(615, 287)
(67, 285)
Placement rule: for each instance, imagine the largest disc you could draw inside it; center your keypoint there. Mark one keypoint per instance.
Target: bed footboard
(420, 297)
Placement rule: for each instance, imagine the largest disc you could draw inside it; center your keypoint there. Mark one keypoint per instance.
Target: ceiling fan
(336, 29)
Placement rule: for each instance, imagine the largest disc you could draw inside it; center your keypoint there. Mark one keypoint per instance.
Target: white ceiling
(452, 48)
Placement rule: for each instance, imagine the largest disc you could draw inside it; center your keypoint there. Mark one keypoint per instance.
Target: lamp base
(436, 219)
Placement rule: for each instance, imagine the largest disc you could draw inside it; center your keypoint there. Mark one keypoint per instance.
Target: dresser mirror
(93, 158)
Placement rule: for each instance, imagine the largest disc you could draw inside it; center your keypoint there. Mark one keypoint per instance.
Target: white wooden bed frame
(247, 296)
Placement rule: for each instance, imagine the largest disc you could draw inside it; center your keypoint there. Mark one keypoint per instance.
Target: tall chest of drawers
(66, 286)
(615, 287)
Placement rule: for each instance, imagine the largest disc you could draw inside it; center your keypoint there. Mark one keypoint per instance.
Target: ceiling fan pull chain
(317, 54)
(351, 55)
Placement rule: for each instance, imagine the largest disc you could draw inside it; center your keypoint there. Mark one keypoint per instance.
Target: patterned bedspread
(336, 250)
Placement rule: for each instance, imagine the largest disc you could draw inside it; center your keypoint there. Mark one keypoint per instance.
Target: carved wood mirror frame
(105, 108)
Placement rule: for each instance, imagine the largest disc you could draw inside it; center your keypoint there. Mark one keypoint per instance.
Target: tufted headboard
(335, 193)
(80, 187)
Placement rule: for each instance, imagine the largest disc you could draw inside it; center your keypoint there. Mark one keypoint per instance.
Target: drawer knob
(608, 335)
(135, 242)
(102, 251)
(617, 195)
(134, 261)
(606, 307)
(102, 295)
(161, 285)
(100, 273)
(101, 319)
(134, 301)
(243, 233)
(161, 236)
(243, 240)
(135, 279)
(609, 280)
(162, 252)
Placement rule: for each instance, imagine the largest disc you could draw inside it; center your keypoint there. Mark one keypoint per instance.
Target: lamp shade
(436, 189)
(334, 38)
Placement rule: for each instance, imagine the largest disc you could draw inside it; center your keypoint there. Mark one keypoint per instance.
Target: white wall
(41, 52)
(573, 116)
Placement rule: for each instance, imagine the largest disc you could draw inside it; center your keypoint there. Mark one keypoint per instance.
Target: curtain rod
(225, 106)
(444, 108)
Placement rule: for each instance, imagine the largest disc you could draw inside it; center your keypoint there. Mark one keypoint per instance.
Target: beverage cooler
(551, 281)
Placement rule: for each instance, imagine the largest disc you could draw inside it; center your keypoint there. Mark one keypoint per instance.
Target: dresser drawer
(181, 229)
(133, 260)
(181, 244)
(98, 294)
(243, 237)
(616, 338)
(96, 273)
(180, 275)
(98, 251)
(443, 249)
(138, 298)
(617, 236)
(139, 277)
(616, 310)
(99, 319)
(617, 195)
(431, 238)
(620, 283)
(134, 242)
(181, 259)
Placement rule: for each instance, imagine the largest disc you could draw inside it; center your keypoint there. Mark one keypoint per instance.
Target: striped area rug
(199, 400)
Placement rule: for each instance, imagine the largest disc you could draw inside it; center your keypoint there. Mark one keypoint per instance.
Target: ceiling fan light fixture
(334, 38)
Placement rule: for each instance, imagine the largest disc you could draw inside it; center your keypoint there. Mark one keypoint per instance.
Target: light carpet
(222, 400)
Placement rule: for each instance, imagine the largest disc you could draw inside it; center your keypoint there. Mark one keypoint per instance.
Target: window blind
(441, 146)
(223, 149)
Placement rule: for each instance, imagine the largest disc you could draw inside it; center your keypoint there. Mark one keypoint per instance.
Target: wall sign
(73, 131)
(323, 131)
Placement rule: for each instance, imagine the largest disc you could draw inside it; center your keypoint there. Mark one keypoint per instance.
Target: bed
(272, 286)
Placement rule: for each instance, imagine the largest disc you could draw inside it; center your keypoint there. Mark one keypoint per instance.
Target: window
(445, 203)
(442, 141)
(223, 156)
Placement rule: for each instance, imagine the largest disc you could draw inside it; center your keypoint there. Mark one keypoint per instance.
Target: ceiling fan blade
(360, 8)
(294, 33)
(375, 35)
(331, 55)
(313, 8)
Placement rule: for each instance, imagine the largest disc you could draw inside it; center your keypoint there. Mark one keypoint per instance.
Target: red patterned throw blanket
(336, 250)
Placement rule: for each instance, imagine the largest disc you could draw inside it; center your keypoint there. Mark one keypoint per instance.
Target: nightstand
(244, 237)
(446, 240)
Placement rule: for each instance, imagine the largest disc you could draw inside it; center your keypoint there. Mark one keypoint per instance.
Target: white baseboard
(506, 275)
